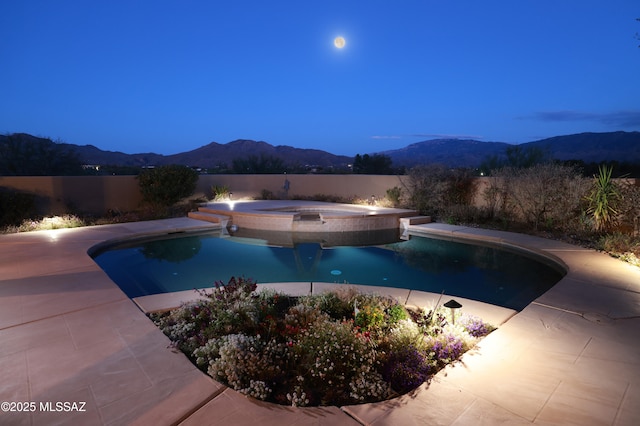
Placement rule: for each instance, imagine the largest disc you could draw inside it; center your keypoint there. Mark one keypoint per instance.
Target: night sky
(170, 76)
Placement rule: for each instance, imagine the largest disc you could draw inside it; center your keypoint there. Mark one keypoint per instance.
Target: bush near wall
(166, 185)
(447, 194)
(15, 206)
(543, 196)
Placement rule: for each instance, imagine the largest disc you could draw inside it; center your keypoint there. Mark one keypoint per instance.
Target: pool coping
(70, 334)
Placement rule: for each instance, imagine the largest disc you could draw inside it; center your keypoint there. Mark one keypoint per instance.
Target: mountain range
(588, 147)
(216, 155)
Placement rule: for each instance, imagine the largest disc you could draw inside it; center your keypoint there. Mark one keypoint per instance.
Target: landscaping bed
(336, 348)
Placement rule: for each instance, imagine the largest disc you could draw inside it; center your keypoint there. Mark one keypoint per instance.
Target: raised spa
(301, 216)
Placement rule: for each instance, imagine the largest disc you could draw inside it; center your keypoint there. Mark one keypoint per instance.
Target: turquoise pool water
(182, 262)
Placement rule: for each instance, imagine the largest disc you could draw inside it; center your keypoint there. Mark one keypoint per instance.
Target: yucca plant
(220, 193)
(603, 199)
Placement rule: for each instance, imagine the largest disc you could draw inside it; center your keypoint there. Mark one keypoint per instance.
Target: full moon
(339, 42)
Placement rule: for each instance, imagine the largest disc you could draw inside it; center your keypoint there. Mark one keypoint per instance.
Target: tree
(265, 164)
(376, 164)
(24, 155)
(516, 157)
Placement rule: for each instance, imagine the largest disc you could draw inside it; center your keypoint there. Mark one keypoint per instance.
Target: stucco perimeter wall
(99, 194)
(78, 194)
(361, 186)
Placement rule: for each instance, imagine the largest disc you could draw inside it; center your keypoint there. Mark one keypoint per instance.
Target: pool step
(414, 220)
(406, 222)
(210, 217)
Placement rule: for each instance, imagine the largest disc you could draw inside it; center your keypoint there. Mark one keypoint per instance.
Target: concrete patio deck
(68, 334)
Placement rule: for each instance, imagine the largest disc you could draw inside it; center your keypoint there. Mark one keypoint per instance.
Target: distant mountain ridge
(450, 152)
(588, 147)
(594, 147)
(214, 155)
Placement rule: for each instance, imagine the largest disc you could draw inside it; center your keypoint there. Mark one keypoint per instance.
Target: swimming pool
(187, 261)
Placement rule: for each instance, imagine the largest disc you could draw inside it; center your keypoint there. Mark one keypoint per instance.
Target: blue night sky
(169, 76)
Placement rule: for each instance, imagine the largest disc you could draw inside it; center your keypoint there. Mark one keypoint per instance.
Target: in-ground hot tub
(303, 216)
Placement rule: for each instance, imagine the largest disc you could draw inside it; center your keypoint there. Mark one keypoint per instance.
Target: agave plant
(603, 199)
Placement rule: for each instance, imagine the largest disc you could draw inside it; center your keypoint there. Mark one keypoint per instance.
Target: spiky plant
(603, 199)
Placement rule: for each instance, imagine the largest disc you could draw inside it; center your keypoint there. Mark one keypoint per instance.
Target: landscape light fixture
(453, 305)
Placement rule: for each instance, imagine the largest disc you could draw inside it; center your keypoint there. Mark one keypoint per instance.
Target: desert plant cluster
(547, 198)
(335, 348)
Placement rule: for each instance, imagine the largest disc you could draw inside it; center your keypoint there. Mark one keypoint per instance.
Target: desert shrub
(459, 194)
(545, 195)
(15, 207)
(220, 192)
(494, 197)
(621, 245)
(394, 196)
(266, 194)
(629, 206)
(166, 185)
(426, 187)
(447, 194)
(460, 188)
(52, 222)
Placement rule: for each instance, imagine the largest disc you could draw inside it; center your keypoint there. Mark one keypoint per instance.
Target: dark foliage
(15, 206)
(166, 185)
(265, 164)
(24, 155)
(376, 164)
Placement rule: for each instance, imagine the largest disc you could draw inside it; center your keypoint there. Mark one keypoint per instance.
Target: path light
(453, 305)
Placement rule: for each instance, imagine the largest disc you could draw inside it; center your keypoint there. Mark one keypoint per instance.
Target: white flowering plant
(337, 348)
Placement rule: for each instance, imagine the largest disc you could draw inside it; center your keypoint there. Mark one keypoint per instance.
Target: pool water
(483, 273)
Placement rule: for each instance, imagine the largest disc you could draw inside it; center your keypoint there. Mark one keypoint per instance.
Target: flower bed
(336, 348)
